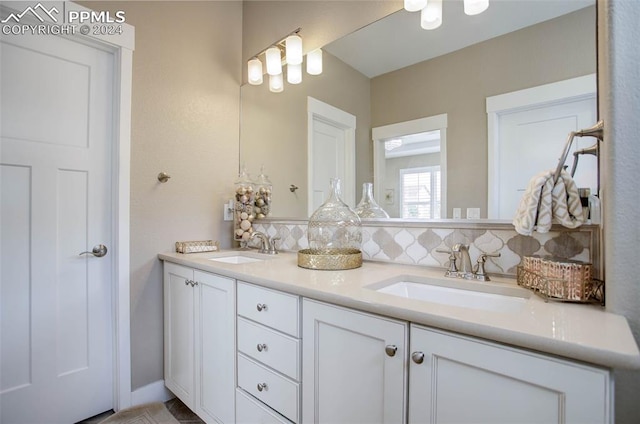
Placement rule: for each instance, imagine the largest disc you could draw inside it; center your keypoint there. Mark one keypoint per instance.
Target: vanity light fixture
(475, 7)
(274, 61)
(414, 5)
(276, 84)
(288, 51)
(294, 73)
(431, 16)
(431, 10)
(254, 71)
(314, 62)
(293, 45)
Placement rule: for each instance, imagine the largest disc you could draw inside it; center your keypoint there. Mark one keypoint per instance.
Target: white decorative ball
(246, 236)
(245, 224)
(244, 215)
(239, 232)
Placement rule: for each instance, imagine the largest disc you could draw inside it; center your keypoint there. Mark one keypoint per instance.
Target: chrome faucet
(267, 244)
(465, 270)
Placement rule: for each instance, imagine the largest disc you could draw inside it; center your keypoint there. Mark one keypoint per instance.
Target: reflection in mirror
(410, 168)
(559, 44)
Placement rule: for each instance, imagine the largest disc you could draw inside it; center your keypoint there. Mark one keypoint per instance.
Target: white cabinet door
(215, 347)
(462, 380)
(199, 341)
(179, 365)
(354, 366)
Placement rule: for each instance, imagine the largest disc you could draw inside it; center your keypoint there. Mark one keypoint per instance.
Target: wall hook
(293, 188)
(163, 177)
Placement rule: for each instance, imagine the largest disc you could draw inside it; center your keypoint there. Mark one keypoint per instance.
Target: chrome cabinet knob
(261, 347)
(261, 307)
(262, 386)
(99, 250)
(391, 350)
(187, 282)
(417, 357)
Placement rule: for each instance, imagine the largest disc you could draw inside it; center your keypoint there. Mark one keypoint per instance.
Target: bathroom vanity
(255, 338)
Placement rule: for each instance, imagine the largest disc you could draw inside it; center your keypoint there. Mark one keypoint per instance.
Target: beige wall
(458, 84)
(185, 117)
(274, 130)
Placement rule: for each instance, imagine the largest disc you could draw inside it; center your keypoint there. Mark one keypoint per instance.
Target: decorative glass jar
(263, 195)
(334, 225)
(368, 207)
(243, 208)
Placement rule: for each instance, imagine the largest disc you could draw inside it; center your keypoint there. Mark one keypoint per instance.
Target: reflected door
(331, 153)
(56, 327)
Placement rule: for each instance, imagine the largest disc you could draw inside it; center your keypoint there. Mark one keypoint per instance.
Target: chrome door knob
(262, 386)
(261, 347)
(417, 357)
(98, 251)
(261, 307)
(391, 350)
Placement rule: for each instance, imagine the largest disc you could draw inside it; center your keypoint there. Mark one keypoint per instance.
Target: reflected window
(420, 193)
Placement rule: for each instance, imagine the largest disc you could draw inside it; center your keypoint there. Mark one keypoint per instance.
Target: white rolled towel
(544, 203)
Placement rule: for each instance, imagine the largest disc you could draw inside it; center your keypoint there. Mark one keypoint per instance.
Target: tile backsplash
(415, 243)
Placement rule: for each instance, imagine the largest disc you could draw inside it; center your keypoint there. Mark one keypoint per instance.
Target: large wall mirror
(393, 72)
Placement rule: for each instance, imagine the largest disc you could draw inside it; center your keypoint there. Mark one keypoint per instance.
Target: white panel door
(331, 151)
(353, 368)
(57, 317)
(531, 141)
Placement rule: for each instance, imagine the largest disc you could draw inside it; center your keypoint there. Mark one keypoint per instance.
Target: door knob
(98, 251)
(417, 357)
(391, 350)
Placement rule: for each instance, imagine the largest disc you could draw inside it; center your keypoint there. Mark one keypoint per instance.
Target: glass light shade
(414, 5)
(294, 73)
(276, 84)
(254, 71)
(274, 61)
(431, 16)
(314, 62)
(475, 7)
(293, 45)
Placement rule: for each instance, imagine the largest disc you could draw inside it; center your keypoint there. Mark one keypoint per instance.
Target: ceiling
(398, 40)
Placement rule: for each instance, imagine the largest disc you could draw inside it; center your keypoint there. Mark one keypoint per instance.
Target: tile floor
(175, 406)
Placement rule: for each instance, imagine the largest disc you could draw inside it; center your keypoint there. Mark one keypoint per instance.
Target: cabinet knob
(194, 283)
(261, 307)
(391, 350)
(417, 357)
(262, 386)
(261, 347)
(187, 282)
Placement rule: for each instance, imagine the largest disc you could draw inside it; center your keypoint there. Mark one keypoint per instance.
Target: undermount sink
(461, 293)
(236, 259)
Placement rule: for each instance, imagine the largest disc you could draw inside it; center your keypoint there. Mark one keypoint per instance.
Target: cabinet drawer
(251, 411)
(279, 392)
(271, 308)
(274, 349)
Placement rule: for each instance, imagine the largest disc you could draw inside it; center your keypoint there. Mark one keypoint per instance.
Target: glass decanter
(368, 208)
(334, 225)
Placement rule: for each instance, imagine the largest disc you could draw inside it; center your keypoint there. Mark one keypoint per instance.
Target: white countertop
(581, 332)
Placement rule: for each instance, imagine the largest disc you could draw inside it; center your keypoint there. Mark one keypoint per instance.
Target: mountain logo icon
(39, 11)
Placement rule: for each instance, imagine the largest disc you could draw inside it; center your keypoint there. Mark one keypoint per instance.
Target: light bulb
(414, 5)
(475, 7)
(314, 62)
(254, 71)
(293, 45)
(294, 73)
(276, 84)
(274, 61)
(431, 16)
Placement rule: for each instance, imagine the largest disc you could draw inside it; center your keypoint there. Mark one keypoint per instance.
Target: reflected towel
(544, 203)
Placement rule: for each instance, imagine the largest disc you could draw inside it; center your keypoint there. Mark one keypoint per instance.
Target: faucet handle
(272, 245)
(453, 269)
(480, 273)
